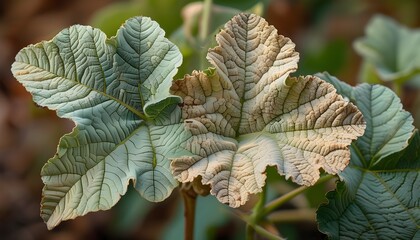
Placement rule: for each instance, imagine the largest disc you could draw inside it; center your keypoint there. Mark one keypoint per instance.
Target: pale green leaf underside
(392, 49)
(249, 114)
(378, 198)
(105, 86)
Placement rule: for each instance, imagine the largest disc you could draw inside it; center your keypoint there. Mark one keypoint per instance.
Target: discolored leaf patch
(248, 114)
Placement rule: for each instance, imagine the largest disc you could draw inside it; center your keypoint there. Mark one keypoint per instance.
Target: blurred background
(324, 32)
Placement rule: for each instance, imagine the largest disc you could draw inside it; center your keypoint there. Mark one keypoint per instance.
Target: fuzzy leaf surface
(117, 92)
(247, 114)
(378, 198)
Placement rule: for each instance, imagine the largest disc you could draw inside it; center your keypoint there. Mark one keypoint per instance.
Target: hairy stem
(273, 205)
(189, 197)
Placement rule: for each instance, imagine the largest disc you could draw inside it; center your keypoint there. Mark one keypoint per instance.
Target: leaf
(378, 198)
(248, 114)
(382, 109)
(392, 49)
(127, 125)
(376, 204)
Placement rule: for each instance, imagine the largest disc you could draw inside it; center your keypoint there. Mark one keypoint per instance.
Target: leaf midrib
(242, 98)
(375, 158)
(130, 108)
(386, 187)
(103, 161)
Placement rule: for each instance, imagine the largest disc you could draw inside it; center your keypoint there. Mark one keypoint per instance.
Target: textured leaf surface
(382, 110)
(117, 92)
(248, 114)
(378, 198)
(392, 49)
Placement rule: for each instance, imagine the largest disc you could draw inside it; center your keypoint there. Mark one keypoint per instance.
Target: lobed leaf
(378, 198)
(127, 124)
(382, 110)
(248, 114)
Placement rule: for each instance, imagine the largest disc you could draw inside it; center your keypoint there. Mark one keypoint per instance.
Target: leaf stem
(264, 233)
(293, 215)
(205, 20)
(255, 217)
(259, 207)
(203, 33)
(189, 197)
(252, 227)
(273, 205)
(249, 232)
(397, 88)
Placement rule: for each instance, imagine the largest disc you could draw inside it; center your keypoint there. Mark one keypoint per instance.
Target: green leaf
(127, 125)
(378, 198)
(376, 204)
(382, 109)
(392, 49)
(248, 114)
(344, 89)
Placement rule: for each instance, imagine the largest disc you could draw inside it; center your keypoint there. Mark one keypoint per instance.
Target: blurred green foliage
(330, 56)
(166, 13)
(392, 51)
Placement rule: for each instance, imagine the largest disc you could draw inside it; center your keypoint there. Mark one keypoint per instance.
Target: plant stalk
(266, 234)
(249, 232)
(259, 207)
(203, 33)
(397, 88)
(205, 20)
(255, 217)
(189, 197)
(251, 228)
(294, 215)
(273, 205)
